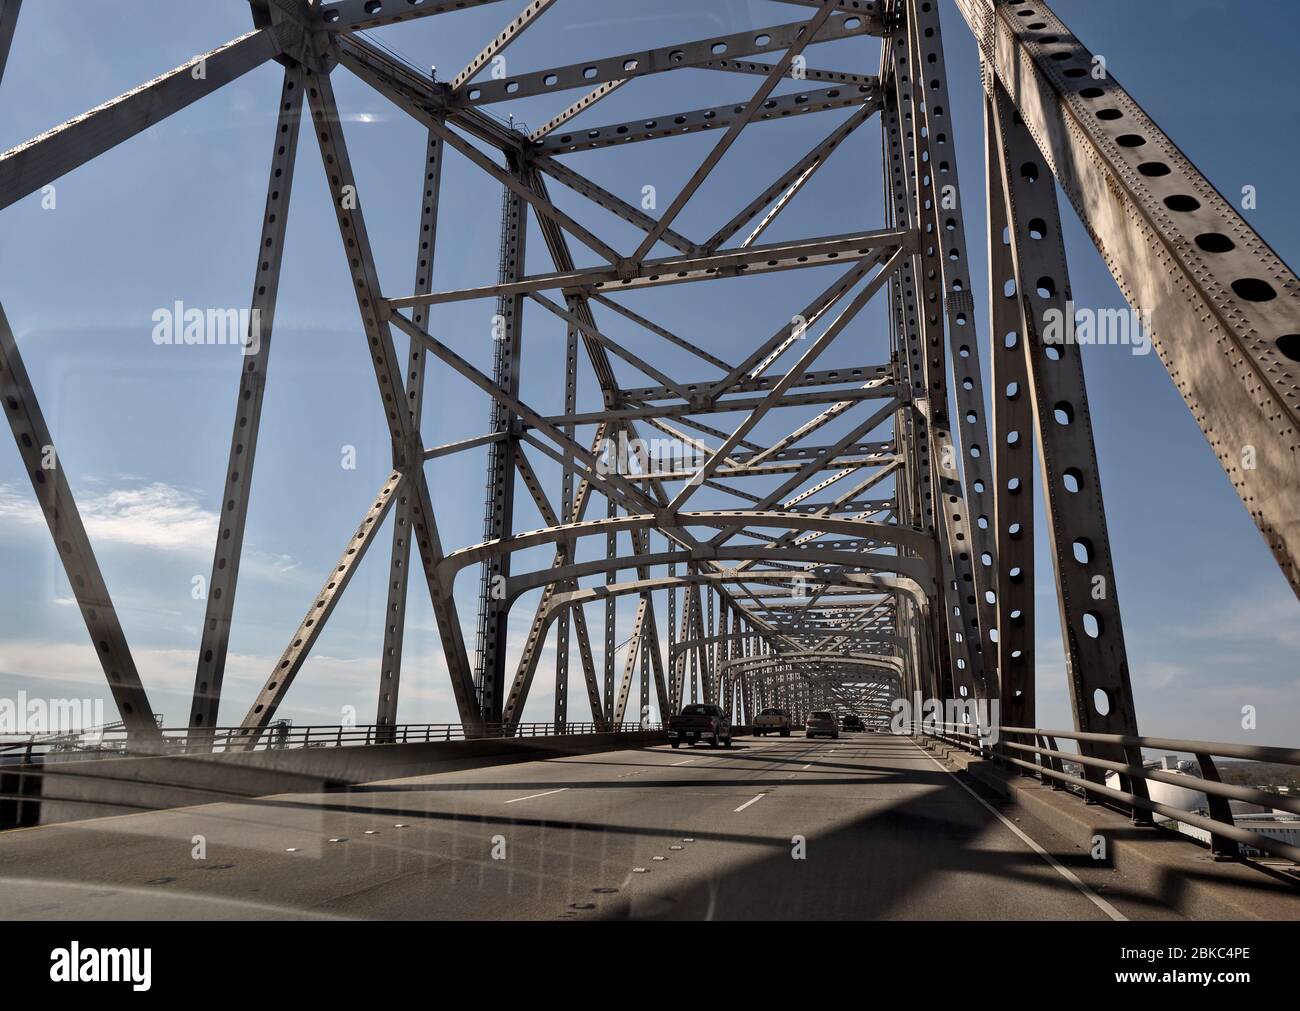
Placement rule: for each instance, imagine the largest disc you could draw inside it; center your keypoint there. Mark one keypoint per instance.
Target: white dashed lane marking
(534, 796)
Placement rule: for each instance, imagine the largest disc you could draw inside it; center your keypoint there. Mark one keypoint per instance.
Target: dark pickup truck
(696, 723)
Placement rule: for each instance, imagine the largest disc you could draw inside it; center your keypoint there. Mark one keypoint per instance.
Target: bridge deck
(889, 834)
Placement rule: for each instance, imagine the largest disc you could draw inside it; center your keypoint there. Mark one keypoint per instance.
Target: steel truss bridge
(894, 558)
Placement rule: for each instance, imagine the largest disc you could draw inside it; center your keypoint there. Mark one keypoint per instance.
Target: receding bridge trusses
(804, 569)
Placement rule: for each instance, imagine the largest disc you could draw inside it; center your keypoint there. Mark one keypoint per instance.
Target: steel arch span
(818, 534)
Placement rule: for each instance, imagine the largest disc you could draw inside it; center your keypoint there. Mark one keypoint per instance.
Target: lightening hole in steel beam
(1072, 478)
(1252, 289)
(1215, 242)
(1101, 702)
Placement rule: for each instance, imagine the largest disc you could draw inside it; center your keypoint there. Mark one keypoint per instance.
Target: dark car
(852, 722)
(696, 723)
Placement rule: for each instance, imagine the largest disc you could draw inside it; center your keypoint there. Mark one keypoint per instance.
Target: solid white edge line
(755, 800)
(534, 796)
(1050, 860)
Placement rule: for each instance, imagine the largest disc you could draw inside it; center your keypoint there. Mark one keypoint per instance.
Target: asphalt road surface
(864, 827)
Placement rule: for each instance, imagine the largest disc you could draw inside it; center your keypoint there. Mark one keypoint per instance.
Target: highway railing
(1035, 752)
(282, 735)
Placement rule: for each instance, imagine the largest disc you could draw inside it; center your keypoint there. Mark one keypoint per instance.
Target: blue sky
(175, 214)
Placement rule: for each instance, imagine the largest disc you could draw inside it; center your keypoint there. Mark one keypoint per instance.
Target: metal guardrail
(1046, 761)
(280, 736)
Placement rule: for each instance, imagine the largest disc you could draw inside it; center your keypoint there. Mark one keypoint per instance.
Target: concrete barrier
(62, 791)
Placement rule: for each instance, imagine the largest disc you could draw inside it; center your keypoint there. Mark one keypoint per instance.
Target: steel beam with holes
(579, 315)
(789, 182)
(677, 124)
(518, 695)
(45, 470)
(935, 128)
(43, 466)
(1013, 457)
(29, 166)
(921, 295)
(1096, 660)
(407, 449)
(775, 38)
(531, 12)
(499, 507)
(814, 351)
(802, 36)
(679, 269)
(295, 654)
(1224, 309)
(390, 660)
(208, 677)
(353, 15)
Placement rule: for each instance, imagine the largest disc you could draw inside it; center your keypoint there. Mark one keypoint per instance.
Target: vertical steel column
(936, 130)
(648, 645)
(390, 663)
(723, 655)
(634, 646)
(206, 699)
(611, 609)
(924, 302)
(498, 518)
(566, 513)
(710, 648)
(1013, 456)
(912, 359)
(1095, 655)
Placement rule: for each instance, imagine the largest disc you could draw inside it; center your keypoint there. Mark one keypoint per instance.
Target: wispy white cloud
(154, 516)
(1260, 620)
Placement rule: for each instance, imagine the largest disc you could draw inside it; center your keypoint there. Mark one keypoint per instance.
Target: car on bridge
(852, 721)
(771, 721)
(700, 722)
(821, 722)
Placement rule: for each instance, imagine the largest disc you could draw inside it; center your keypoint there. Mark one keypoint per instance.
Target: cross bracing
(825, 527)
